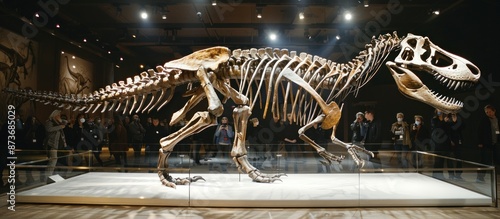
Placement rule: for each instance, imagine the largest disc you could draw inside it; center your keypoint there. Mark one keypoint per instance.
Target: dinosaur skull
(420, 54)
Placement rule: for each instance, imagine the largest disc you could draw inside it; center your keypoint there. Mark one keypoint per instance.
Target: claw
(196, 178)
(276, 179)
(270, 179)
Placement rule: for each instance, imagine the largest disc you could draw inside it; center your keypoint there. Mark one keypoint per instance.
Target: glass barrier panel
(291, 176)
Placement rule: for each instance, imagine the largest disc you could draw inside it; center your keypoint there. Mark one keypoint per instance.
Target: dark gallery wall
(47, 61)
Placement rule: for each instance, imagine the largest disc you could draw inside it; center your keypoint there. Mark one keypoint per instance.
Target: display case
(306, 182)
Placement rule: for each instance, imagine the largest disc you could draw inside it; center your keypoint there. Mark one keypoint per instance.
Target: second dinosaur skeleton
(302, 79)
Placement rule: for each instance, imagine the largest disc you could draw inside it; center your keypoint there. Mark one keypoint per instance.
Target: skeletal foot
(244, 166)
(257, 176)
(171, 182)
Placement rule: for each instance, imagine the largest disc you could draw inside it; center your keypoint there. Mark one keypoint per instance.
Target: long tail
(112, 97)
(49, 97)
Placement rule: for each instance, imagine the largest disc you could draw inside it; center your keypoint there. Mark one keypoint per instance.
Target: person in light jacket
(54, 139)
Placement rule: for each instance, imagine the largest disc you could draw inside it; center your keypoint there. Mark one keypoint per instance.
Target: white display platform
(235, 190)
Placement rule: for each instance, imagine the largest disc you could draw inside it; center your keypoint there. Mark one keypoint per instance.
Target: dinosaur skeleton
(274, 72)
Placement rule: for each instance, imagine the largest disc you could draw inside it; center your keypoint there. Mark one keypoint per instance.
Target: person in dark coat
(373, 136)
(136, 131)
(154, 133)
(223, 138)
(456, 138)
(118, 141)
(33, 141)
(87, 137)
(440, 136)
(488, 140)
(358, 129)
(420, 138)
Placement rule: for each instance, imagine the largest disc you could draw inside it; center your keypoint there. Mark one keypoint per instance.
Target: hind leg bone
(198, 122)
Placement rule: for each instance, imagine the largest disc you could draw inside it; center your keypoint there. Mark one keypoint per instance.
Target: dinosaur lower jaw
(411, 86)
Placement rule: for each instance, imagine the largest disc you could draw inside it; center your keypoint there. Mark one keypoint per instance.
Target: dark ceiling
(109, 25)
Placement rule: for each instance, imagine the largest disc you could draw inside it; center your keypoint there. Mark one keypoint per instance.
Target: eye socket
(412, 43)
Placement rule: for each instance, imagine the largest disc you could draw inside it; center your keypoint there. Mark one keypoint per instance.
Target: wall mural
(75, 75)
(18, 56)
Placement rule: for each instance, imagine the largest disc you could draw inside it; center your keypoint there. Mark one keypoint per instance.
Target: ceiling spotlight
(84, 40)
(366, 3)
(301, 15)
(259, 13)
(273, 36)
(58, 26)
(163, 13)
(435, 12)
(348, 15)
(214, 2)
(337, 37)
(144, 14)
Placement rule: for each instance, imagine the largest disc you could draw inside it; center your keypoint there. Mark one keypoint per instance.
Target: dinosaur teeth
(444, 80)
(458, 84)
(446, 100)
(436, 77)
(452, 84)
